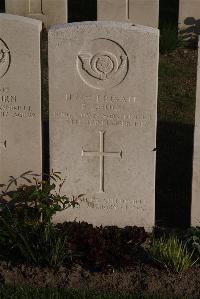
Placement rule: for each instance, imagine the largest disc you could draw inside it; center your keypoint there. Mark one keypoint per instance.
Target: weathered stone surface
(103, 98)
(49, 11)
(143, 12)
(20, 96)
(195, 210)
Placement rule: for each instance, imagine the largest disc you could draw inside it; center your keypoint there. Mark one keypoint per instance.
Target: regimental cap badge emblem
(102, 63)
(4, 58)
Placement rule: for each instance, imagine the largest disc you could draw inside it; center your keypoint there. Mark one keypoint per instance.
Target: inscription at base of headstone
(103, 98)
(48, 11)
(20, 96)
(143, 12)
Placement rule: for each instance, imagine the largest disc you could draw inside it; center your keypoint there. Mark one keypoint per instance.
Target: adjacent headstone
(49, 11)
(103, 79)
(189, 18)
(143, 12)
(195, 210)
(20, 96)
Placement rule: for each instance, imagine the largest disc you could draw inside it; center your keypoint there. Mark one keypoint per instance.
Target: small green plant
(43, 245)
(171, 253)
(169, 40)
(192, 238)
(37, 202)
(26, 213)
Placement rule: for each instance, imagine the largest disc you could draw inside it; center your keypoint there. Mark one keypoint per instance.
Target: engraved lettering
(108, 99)
(112, 203)
(8, 99)
(4, 90)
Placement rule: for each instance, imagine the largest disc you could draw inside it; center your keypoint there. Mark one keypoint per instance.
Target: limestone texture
(143, 12)
(103, 79)
(50, 12)
(20, 96)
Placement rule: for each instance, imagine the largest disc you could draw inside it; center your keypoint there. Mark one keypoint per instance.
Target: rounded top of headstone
(105, 24)
(15, 18)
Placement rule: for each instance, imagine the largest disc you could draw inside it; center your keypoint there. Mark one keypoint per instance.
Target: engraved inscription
(102, 63)
(101, 154)
(104, 110)
(10, 108)
(109, 203)
(5, 58)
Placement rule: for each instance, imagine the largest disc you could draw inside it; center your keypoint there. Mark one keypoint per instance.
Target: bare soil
(145, 279)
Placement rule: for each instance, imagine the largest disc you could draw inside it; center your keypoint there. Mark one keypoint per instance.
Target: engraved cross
(127, 9)
(101, 154)
(4, 143)
(35, 7)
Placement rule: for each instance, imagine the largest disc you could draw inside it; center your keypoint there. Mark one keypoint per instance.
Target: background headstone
(103, 79)
(189, 18)
(49, 11)
(143, 12)
(20, 96)
(195, 211)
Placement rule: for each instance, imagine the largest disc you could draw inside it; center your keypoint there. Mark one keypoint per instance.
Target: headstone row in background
(144, 12)
(48, 11)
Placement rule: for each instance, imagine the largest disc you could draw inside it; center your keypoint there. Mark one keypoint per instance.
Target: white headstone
(20, 96)
(103, 80)
(49, 11)
(195, 210)
(143, 12)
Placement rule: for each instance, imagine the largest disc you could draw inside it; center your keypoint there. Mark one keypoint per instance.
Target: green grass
(172, 254)
(177, 89)
(31, 293)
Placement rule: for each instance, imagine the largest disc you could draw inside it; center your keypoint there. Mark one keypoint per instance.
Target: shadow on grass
(174, 174)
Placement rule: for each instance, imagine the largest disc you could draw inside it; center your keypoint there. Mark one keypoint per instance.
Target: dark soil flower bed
(141, 278)
(104, 259)
(102, 248)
